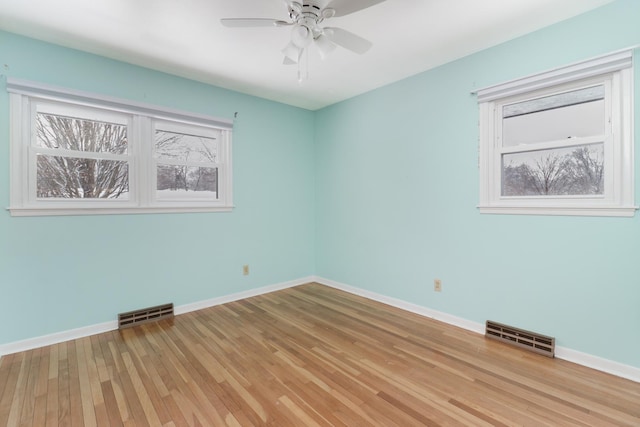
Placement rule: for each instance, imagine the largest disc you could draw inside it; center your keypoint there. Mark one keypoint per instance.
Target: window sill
(617, 211)
(60, 211)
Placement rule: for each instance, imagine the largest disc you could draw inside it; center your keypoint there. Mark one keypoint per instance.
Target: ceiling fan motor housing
(309, 12)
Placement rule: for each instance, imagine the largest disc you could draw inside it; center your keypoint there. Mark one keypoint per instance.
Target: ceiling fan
(305, 19)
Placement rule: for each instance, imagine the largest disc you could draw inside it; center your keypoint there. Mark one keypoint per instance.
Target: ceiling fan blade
(253, 22)
(288, 61)
(347, 40)
(345, 7)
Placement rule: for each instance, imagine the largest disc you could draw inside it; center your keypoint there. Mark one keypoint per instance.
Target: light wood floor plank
(40, 391)
(15, 400)
(305, 356)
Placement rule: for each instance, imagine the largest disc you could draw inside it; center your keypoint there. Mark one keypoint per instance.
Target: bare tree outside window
(187, 178)
(576, 171)
(586, 166)
(70, 175)
(182, 179)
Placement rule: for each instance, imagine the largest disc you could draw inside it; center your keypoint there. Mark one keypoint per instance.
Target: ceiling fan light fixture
(301, 36)
(292, 52)
(324, 45)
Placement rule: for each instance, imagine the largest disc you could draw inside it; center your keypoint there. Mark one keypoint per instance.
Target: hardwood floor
(305, 356)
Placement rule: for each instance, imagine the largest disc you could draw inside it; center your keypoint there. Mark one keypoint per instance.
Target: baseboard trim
(187, 308)
(605, 365)
(407, 306)
(59, 337)
(609, 366)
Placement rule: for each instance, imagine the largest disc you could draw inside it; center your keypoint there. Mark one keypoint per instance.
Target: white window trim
(619, 200)
(22, 94)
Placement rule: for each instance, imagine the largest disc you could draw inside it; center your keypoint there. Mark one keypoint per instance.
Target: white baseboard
(58, 337)
(86, 331)
(605, 365)
(574, 356)
(186, 308)
(414, 308)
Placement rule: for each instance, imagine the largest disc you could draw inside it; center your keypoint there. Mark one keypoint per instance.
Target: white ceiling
(185, 37)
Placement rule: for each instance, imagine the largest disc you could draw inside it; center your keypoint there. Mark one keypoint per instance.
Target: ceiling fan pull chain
(303, 66)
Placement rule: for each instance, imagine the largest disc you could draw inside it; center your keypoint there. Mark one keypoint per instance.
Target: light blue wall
(397, 188)
(60, 273)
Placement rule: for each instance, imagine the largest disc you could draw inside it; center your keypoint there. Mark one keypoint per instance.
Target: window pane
(77, 178)
(186, 182)
(183, 147)
(567, 171)
(571, 114)
(79, 134)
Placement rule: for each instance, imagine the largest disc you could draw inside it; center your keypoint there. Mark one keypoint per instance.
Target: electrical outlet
(437, 285)
(245, 270)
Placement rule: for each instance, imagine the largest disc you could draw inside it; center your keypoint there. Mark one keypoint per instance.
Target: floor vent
(145, 315)
(528, 340)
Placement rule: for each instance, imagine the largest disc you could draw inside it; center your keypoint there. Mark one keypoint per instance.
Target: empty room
(319, 213)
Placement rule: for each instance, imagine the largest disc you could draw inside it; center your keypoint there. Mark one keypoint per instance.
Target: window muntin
(76, 153)
(560, 142)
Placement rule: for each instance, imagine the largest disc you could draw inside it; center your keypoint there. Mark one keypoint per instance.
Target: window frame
(27, 98)
(615, 72)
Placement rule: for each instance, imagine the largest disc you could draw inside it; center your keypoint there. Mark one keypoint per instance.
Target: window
(560, 143)
(73, 153)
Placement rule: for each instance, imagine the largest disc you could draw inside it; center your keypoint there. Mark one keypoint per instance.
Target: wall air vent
(528, 340)
(145, 315)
